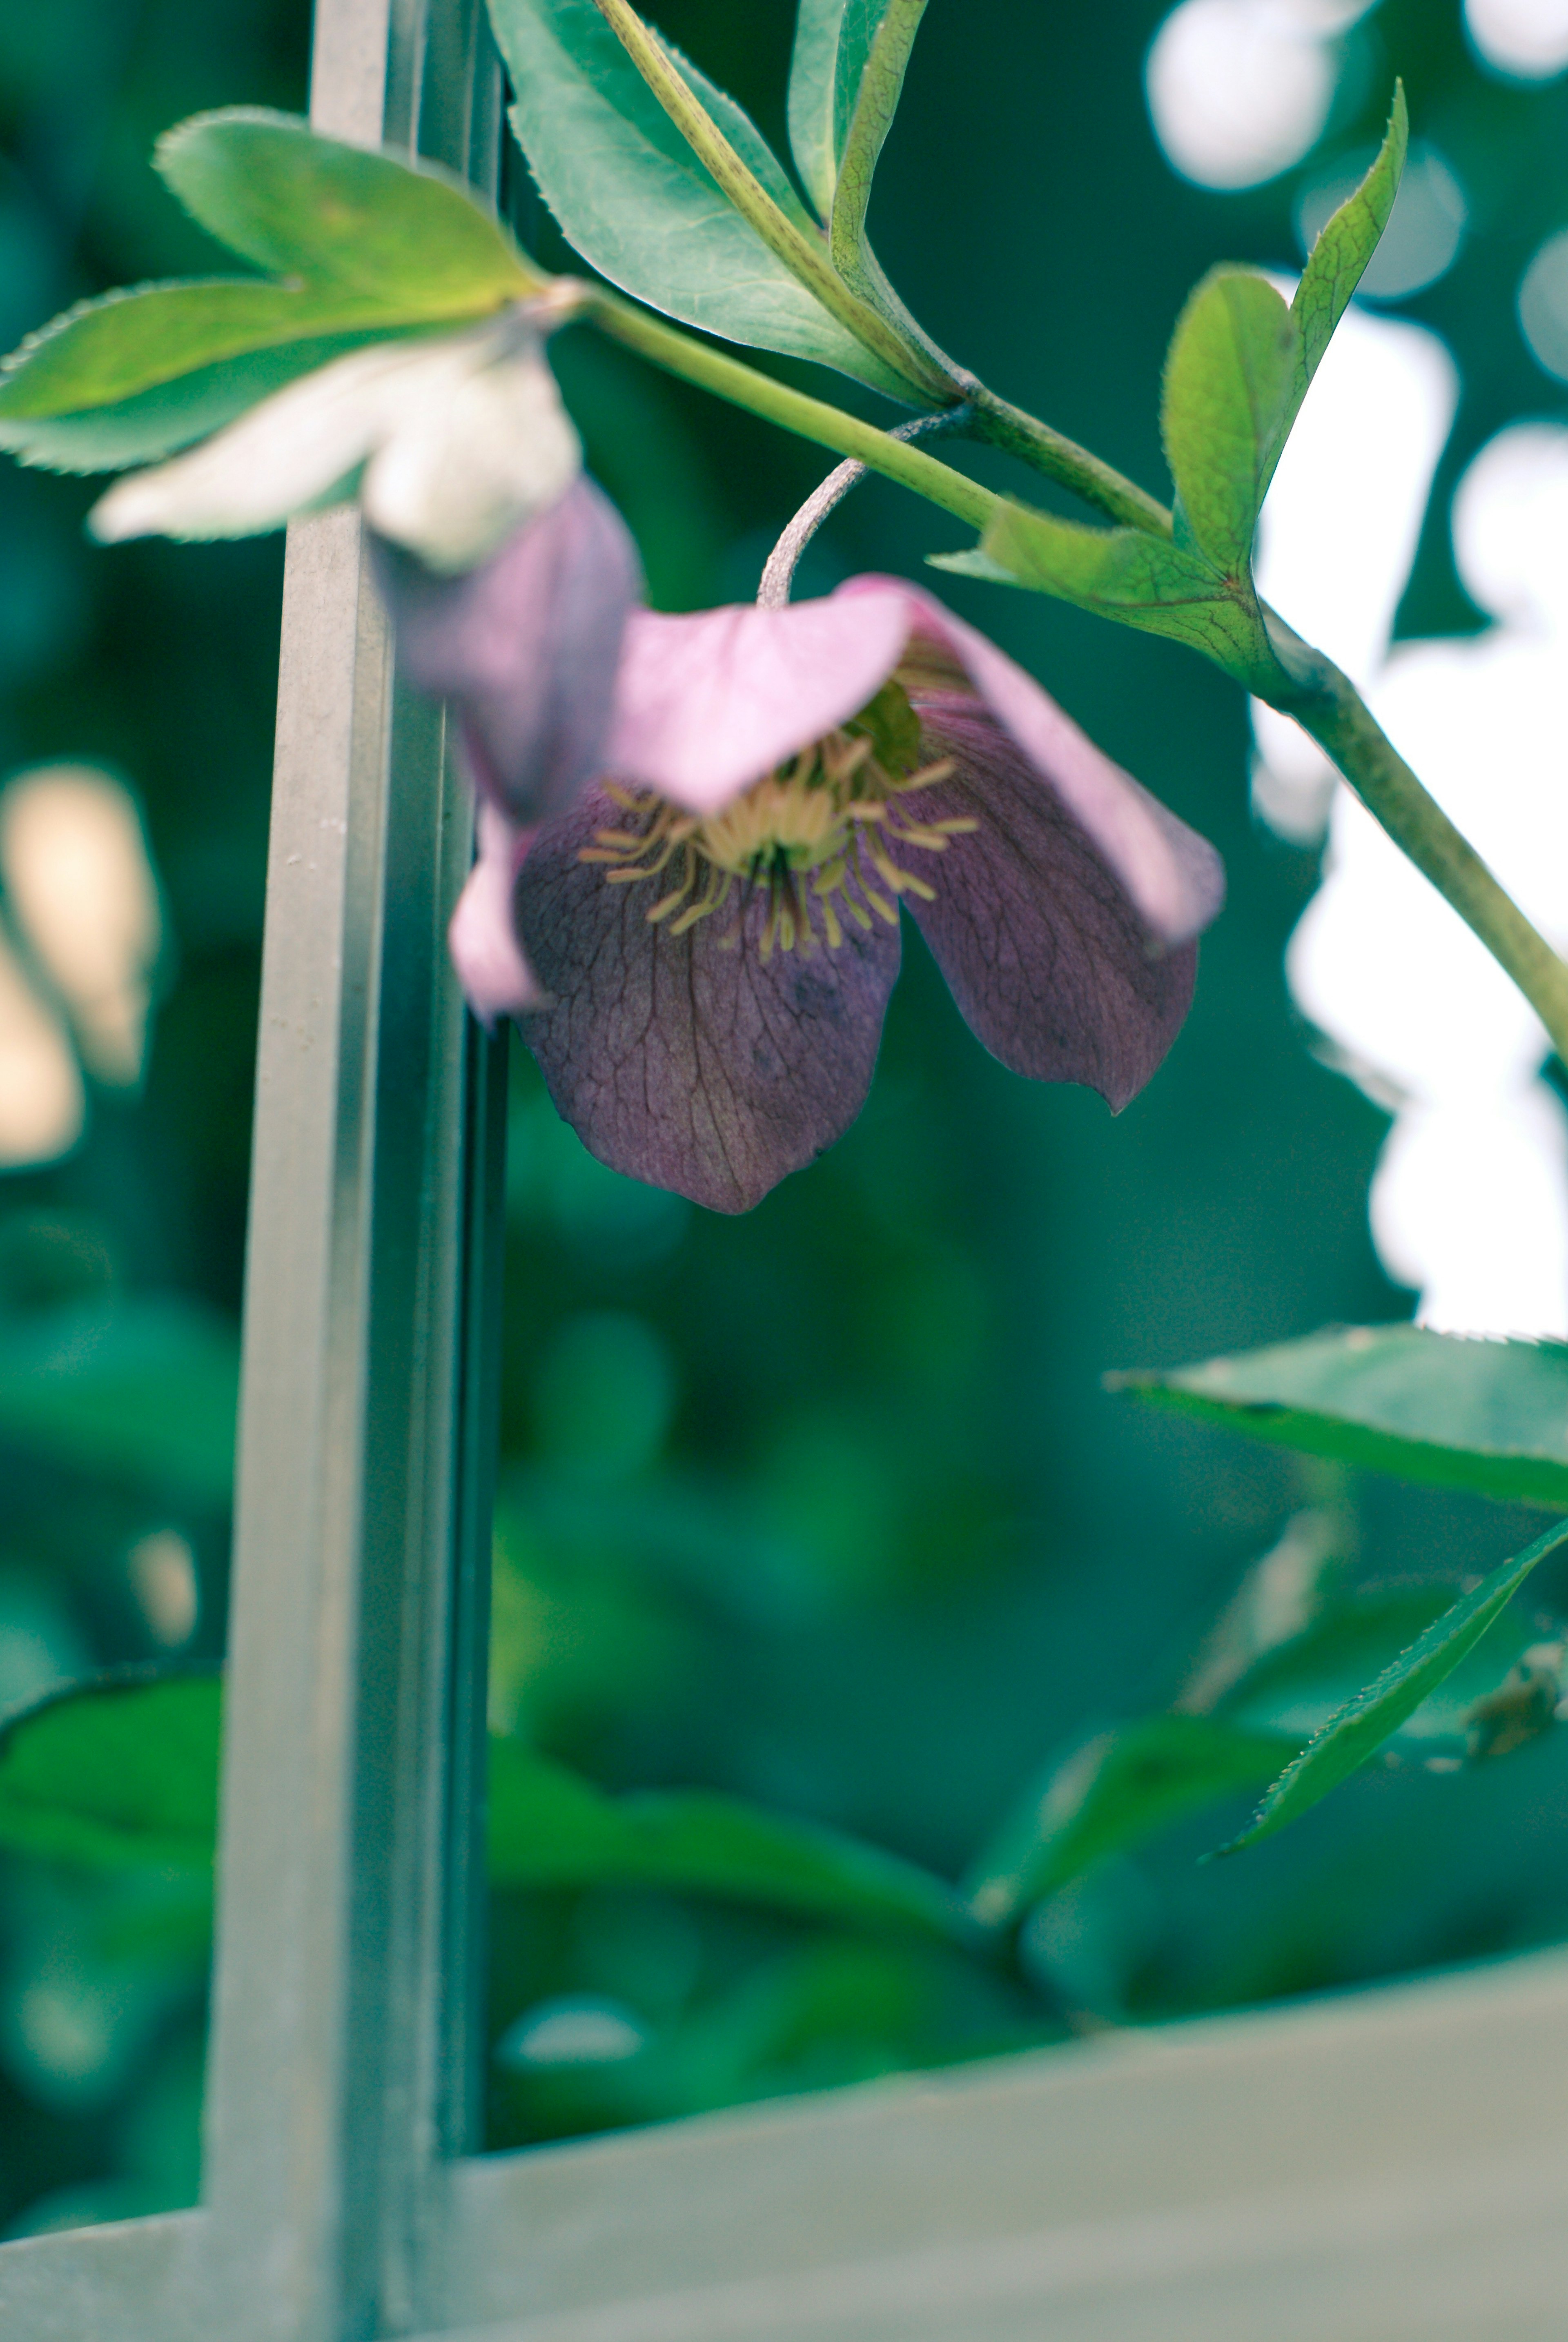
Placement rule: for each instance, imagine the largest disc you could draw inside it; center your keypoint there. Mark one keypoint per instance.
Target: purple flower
(715, 924)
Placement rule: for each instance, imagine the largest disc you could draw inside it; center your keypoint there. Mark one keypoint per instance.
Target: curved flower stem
(1327, 705)
(778, 572)
(792, 410)
(804, 254)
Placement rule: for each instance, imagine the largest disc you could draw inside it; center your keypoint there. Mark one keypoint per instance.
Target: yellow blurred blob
(81, 890)
(42, 1103)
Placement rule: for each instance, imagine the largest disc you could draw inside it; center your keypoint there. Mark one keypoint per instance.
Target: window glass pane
(136, 694)
(822, 1509)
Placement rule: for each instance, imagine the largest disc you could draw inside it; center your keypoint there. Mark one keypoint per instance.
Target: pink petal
(496, 979)
(1171, 875)
(707, 704)
(691, 1065)
(527, 646)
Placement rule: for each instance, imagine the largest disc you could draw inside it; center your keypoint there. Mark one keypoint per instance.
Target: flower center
(821, 835)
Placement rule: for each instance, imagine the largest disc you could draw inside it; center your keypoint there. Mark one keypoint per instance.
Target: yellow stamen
(814, 831)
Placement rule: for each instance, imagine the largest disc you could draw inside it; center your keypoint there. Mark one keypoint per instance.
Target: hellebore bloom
(713, 928)
(450, 443)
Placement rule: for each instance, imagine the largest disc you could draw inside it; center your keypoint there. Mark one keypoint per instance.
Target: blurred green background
(824, 1508)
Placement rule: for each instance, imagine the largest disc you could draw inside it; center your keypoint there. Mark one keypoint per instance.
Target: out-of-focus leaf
(1490, 1417)
(1232, 362)
(813, 79)
(140, 1391)
(366, 245)
(1360, 1727)
(1112, 1793)
(548, 1827)
(129, 342)
(116, 1774)
(1339, 258)
(636, 203)
(404, 236)
(155, 422)
(1142, 581)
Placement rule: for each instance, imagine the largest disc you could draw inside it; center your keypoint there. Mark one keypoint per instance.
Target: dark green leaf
(636, 203)
(1360, 1728)
(1113, 1793)
(142, 1391)
(1142, 581)
(1490, 1417)
(1232, 362)
(550, 1828)
(403, 236)
(1346, 244)
(172, 415)
(115, 1774)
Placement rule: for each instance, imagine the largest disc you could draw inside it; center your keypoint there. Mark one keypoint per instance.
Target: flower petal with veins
(681, 1061)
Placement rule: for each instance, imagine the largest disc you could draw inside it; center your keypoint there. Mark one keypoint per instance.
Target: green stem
(804, 255)
(1062, 460)
(808, 418)
(1326, 704)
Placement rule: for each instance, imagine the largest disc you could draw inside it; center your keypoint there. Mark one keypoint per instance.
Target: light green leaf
(129, 342)
(1339, 258)
(1112, 1793)
(120, 1774)
(1142, 581)
(875, 40)
(1233, 360)
(640, 207)
(1360, 1728)
(139, 1391)
(1490, 1417)
(814, 68)
(548, 1827)
(153, 423)
(406, 238)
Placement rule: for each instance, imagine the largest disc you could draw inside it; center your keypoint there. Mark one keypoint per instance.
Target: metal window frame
(1389, 2166)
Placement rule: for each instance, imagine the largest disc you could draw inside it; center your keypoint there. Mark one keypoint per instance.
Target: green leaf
(155, 422)
(1112, 1793)
(1488, 1417)
(1339, 258)
(1359, 1728)
(874, 43)
(113, 349)
(140, 1391)
(640, 207)
(115, 1774)
(550, 1828)
(813, 78)
(1142, 581)
(405, 238)
(1233, 363)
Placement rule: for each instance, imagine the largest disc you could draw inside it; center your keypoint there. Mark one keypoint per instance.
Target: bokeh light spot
(1543, 306)
(1239, 90)
(1526, 38)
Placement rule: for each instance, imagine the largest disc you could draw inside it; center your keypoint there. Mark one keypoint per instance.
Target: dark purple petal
(707, 704)
(1047, 956)
(527, 645)
(694, 1067)
(1174, 876)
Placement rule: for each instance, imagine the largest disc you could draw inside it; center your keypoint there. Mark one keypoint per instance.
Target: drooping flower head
(715, 925)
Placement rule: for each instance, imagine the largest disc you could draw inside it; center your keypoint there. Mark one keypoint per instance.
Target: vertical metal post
(339, 2071)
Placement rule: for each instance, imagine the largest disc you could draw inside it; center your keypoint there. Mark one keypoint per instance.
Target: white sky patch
(1470, 1199)
(1526, 38)
(1239, 90)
